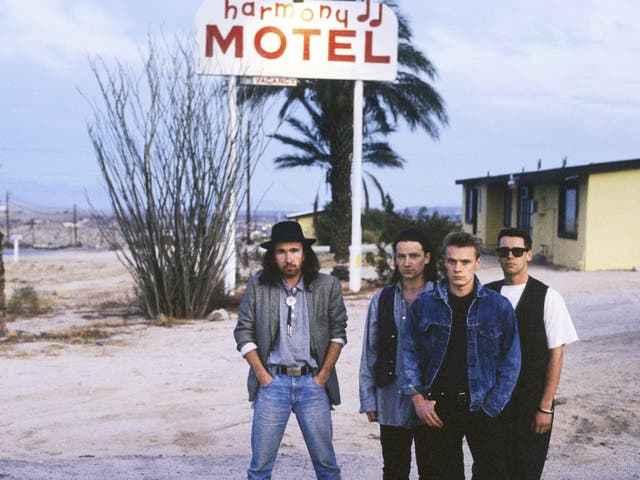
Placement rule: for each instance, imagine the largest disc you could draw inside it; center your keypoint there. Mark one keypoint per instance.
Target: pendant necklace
(290, 302)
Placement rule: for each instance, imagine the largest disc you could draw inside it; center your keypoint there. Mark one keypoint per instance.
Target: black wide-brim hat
(287, 232)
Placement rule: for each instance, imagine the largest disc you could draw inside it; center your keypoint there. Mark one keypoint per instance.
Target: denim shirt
(393, 408)
(493, 346)
(294, 350)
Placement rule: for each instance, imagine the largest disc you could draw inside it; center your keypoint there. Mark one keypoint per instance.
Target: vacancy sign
(312, 39)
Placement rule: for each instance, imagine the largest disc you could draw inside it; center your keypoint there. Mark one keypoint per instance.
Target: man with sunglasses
(544, 326)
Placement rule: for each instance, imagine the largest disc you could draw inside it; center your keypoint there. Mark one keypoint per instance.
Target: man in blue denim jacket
(461, 360)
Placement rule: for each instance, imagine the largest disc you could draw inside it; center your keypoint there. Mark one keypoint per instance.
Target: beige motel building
(584, 217)
(306, 221)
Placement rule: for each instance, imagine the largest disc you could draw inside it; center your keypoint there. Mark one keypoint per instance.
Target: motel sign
(314, 39)
(336, 40)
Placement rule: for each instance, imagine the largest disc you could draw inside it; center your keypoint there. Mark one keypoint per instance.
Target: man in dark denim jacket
(461, 359)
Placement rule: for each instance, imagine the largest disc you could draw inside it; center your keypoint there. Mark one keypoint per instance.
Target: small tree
(162, 140)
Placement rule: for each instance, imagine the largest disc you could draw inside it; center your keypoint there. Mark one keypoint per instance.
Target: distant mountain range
(269, 216)
(32, 198)
(40, 196)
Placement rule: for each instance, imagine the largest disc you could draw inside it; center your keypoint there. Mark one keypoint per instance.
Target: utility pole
(249, 182)
(32, 224)
(8, 229)
(75, 226)
(2, 297)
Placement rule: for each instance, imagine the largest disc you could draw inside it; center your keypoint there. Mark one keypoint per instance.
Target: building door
(526, 208)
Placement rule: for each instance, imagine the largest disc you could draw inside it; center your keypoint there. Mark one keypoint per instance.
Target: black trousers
(526, 450)
(444, 456)
(396, 451)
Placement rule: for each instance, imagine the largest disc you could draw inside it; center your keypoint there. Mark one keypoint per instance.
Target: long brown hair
(271, 273)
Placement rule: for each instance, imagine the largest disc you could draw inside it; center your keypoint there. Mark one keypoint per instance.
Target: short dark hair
(516, 232)
(462, 239)
(412, 234)
(271, 274)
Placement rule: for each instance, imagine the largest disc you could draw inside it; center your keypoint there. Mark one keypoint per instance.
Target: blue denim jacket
(493, 346)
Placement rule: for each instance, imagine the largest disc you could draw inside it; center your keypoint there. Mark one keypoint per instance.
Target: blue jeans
(272, 409)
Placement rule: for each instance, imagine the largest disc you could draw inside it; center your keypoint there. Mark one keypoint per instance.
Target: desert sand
(90, 390)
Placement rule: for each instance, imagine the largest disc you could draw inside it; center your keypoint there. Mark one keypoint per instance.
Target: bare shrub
(163, 142)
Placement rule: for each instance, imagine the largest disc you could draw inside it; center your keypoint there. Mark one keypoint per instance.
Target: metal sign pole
(355, 250)
(230, 250)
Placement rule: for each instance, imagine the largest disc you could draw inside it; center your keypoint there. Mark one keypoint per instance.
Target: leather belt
(460, 400)
(293, 371)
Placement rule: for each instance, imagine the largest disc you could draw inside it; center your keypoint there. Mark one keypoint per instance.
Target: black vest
(385, 366)
(533, 337)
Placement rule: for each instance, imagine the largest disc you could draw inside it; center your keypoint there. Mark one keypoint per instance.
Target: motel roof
(554, 174)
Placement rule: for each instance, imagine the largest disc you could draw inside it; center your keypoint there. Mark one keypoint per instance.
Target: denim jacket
(493, 346)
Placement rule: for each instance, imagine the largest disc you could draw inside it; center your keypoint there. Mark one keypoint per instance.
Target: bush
(382, 226)
(434, 226)
(322, 226)
(382, 264)
(373, 224)
(161, 138)
(25, 301)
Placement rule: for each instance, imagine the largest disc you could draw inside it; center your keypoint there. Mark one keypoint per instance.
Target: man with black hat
(291, 328)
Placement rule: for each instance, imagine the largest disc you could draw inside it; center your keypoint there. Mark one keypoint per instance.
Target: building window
(526, 208)
(471, 203)
(568, 210)
(508, 202)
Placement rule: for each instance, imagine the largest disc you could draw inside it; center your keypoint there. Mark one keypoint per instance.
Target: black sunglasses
(517, 251)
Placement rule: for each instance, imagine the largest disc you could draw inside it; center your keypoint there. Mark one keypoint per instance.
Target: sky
(522, 82)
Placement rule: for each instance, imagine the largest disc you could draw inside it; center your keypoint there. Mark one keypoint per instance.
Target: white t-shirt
(557, 321)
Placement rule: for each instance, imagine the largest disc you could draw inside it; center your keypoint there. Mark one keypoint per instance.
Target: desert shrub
(341, 272)
(382, 264)
(434, 226)
(373, 223)
(25, 301)
(322, 226)
(381, 227)
(166, 142)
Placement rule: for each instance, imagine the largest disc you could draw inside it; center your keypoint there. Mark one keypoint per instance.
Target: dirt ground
(88, 383)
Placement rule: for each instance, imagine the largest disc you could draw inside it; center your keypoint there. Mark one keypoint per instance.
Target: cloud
(539, 56)
(54, 33)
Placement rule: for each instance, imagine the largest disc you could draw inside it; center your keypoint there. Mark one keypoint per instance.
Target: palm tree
(311, 149)
(326, 139)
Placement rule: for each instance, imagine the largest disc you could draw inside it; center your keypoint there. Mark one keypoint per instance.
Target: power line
(65, 151)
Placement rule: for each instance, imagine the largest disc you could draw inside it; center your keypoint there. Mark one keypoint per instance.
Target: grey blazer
(258, 323)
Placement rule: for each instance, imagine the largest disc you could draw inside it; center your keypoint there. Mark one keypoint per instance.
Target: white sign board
(312, 39)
